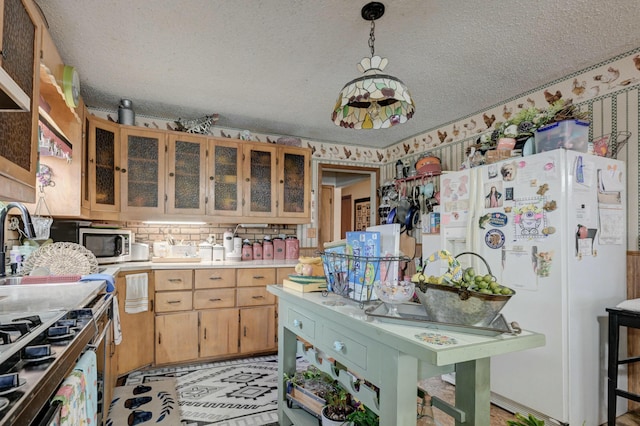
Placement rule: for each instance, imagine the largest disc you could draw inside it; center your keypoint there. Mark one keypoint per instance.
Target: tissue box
(568, 134)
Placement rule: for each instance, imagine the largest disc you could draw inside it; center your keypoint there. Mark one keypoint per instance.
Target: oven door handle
(94, 345)
(52, 416)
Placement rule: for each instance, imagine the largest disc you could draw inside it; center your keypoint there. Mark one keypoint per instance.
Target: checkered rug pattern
(239, 392)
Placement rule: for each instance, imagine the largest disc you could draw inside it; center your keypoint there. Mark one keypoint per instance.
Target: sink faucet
(28, 229)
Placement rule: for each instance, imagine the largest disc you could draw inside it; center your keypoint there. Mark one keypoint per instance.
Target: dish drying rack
(353, 276)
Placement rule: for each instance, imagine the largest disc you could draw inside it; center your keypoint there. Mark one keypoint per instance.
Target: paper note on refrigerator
(518, 268)
(611, 225)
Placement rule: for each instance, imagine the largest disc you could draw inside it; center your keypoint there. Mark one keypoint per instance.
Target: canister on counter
(279, 248)
(257, 250)
(247, 250)
(206, 252)
(292, 248)
(267, 248)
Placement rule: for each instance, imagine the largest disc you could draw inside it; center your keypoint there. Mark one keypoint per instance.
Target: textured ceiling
(277, 66)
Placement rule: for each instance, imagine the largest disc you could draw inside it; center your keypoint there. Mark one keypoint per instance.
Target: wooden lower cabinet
(134, 351)
(214, 313)
(176, 337)
(257, 329)
(218, 332)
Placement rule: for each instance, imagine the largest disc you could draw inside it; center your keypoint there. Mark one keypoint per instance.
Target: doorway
(336, 181)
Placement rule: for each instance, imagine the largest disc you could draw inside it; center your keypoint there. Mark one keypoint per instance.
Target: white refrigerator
(552, 226)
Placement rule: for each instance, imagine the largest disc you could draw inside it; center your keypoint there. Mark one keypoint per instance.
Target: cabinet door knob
(338, 346)
(297, 323)
(281, 181)
(211, 178)
(124, 170)
(172, 174)
(247, 179)
(117, 168)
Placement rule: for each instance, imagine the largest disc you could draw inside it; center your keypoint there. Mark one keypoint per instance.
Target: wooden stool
(618, 318)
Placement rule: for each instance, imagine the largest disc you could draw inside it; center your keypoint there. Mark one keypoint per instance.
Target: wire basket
(609, 144)
(353, 276)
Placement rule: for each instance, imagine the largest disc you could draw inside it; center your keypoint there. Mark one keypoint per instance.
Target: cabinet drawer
(343, 348)
(283, 273)
(215, 278)
(301, 324)
(173, 301)
(218, 298)
(254, 296)
(178, 279)
(256, 276)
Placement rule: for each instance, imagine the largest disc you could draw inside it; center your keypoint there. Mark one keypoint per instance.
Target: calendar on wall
(362, 219)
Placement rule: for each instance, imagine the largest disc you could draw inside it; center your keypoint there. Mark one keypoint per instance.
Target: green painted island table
(392, 357)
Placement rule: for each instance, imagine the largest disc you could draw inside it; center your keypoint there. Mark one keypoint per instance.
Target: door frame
(374, 173)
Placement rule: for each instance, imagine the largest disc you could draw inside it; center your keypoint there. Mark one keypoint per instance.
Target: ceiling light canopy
(375, 100)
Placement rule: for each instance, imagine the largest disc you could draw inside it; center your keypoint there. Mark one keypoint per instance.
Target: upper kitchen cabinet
(224, 174)
(143, 177)
(294, 183)
(259, 186)
(104, 167)
(19, 62)
(186, 171)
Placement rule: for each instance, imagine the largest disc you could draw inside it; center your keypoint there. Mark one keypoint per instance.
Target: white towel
(137, 299)
(117, 329)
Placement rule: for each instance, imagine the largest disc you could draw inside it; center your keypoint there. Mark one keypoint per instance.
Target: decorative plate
(62, 258)
(303, 279)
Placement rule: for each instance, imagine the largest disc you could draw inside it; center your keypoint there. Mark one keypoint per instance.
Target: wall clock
(71, 86)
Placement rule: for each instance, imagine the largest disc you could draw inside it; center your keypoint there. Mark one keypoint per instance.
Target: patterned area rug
(153, 403)
(228, 393)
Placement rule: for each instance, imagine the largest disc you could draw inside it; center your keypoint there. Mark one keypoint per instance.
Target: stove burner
(13, 331)
(34, 319)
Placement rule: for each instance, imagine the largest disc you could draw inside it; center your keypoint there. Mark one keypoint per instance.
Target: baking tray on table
(413, 314)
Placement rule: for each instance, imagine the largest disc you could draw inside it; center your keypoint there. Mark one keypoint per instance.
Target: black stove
(37, 351)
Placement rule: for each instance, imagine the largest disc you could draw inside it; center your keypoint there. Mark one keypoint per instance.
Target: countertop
(114, 269)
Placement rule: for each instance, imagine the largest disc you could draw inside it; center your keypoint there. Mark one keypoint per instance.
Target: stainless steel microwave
(108, 245)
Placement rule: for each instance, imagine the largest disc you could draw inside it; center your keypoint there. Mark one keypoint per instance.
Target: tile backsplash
(195, 234)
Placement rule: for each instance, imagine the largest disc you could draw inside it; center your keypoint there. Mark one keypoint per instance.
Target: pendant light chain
(372, 37)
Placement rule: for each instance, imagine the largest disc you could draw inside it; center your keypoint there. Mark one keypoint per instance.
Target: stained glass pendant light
(375, 100)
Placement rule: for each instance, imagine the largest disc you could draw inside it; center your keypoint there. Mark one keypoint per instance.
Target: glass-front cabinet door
(104, 167)
(186, 162)
(143, 154)
(224, 178)
(294, 182)
(259, 186)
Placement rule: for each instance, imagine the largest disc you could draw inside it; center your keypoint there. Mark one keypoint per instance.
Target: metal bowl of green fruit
(467, 299)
